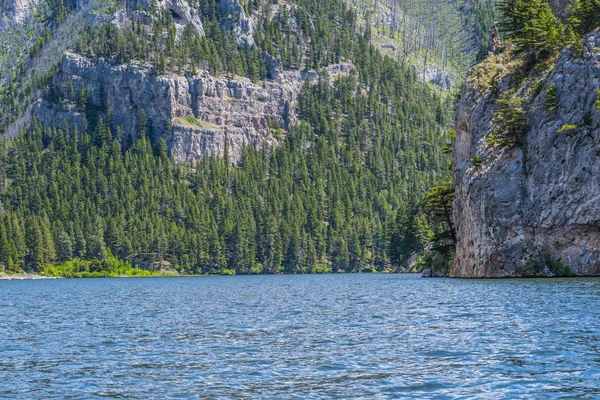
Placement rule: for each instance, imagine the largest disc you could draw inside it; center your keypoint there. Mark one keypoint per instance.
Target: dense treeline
(326, 199)
(534, 29)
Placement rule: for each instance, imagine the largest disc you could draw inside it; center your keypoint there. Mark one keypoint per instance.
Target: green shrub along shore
(110, 267)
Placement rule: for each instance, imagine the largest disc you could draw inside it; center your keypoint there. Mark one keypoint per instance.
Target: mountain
(442, 39)
(526, 170)
(210, 137)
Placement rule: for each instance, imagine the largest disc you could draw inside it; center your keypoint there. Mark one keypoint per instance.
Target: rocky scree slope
(532, 209)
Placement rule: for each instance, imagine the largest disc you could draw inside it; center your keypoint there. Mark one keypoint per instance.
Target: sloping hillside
(441, 38)
(211, 137)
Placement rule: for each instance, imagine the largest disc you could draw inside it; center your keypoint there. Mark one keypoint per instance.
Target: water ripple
(306, 337)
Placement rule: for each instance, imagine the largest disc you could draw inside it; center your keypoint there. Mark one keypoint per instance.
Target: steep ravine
(532, 209)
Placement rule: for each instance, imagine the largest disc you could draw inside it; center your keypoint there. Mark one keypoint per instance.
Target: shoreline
(31, 276)
(22, 276)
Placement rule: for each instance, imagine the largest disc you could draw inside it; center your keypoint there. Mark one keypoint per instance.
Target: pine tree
(584, 15)
(531, 26)
(4, 245)
(64, 247)
(509, 118)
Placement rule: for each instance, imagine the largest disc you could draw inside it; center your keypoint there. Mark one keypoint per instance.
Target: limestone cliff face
(196, 115)
(530, 208)
(13, 13)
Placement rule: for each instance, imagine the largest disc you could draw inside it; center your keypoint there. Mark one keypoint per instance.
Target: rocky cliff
(14, 12)
(560, 8)
(195, 114)
(532, 209)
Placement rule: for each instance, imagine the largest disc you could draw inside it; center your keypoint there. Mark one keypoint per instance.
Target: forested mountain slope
(441, 38)
(212, 137)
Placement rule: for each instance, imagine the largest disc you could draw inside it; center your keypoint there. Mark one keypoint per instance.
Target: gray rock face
(542, 197)
(183, 14)
(560, 8)
(237, 22)
(14, 13)
(437, 76)
(180, 10)
(196, 115)
(495, 43)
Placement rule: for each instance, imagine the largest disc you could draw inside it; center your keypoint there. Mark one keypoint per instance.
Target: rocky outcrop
(560, 8)
(14, 13)
(237, 22)
(531, 209)
(180, 11)
(437, 76)
(183, 14)
(196, 115)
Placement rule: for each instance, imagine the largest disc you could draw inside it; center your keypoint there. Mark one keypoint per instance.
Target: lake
(304, 336)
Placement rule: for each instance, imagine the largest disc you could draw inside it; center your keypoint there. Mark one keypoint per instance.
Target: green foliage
(155, 43)
(107, 268)
(227, 271)
(509, 118)
(535, 88)
(551, 101)
(492, 140)
(451, 136)
(438, 204)
(598, 100)
(324, 200)
(531, 268)
(567, 128)
(476, 160)
(458, 30)
(283, 36)
(563, 271)
(340, 193)
(190, 119)
(531, 26)
(534, 29)
(544, 265)
(584, 15)
(442, 240)
(436, 260)
(26, 69)
(54, 11)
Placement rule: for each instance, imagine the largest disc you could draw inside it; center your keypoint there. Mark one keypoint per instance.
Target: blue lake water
(330, 336)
